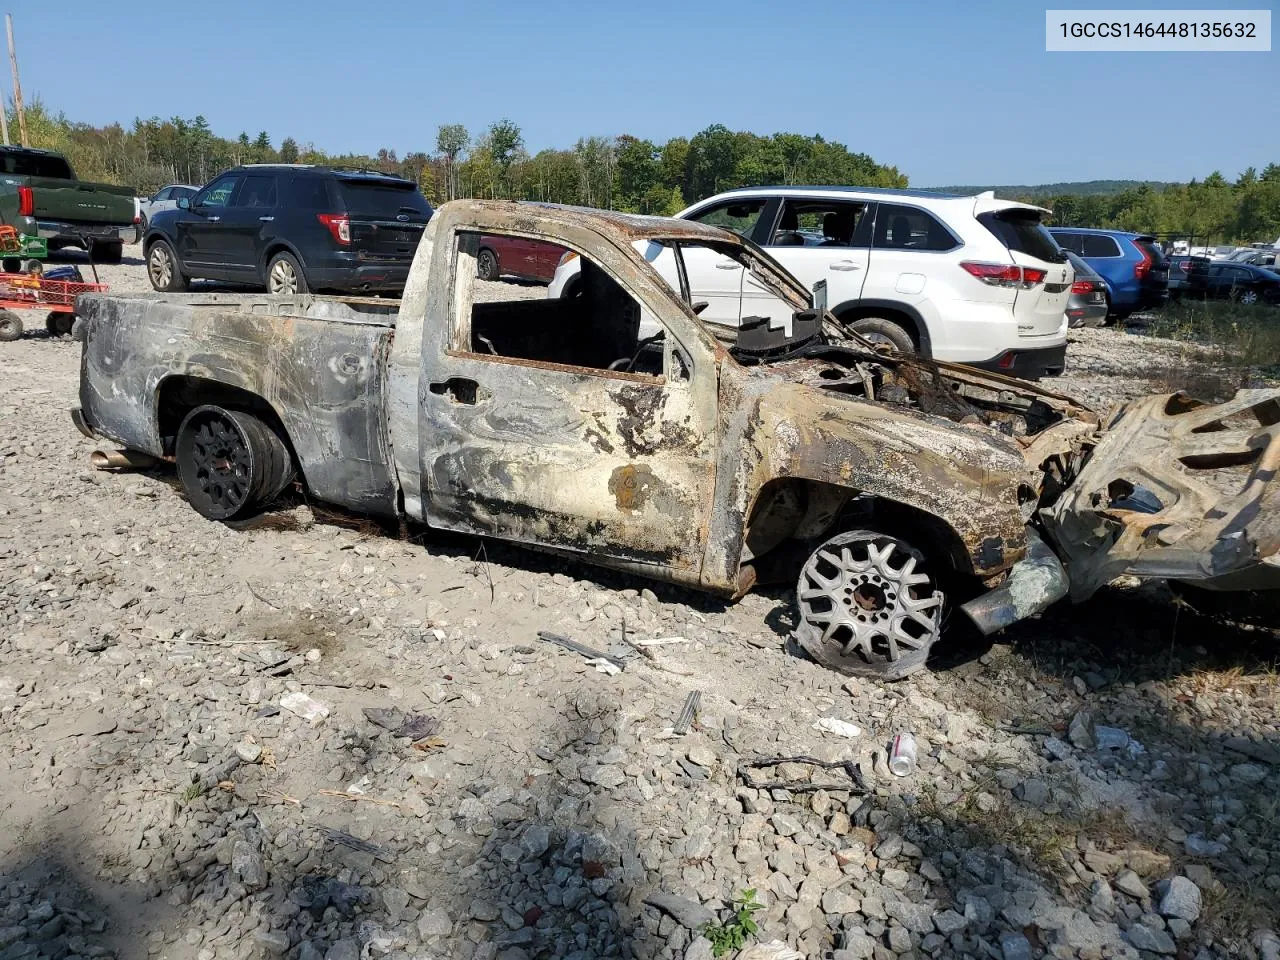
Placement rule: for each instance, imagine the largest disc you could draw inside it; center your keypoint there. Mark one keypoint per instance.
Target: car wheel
(143, 223)
(10, 326)
(58, 323)
(163, 270)
(229, 462)
(1248, 298)
(487, 265)
(884, 332)
(868, 606)
(106, 252)
(285, 276)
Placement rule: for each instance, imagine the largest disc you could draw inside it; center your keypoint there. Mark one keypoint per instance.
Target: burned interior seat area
(598, 327)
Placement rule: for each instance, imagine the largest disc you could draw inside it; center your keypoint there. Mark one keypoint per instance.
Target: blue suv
(1132, 264)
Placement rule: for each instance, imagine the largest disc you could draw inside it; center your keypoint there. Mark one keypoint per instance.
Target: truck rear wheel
(869, 606)
(106, 252)
(230, 463)
(10, 326)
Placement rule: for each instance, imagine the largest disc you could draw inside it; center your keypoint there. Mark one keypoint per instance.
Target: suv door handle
(846, 265)
(731, 265)
(213, 219)
(266, 219)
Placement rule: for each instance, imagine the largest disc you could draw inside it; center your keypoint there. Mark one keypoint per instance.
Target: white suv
(974, 280)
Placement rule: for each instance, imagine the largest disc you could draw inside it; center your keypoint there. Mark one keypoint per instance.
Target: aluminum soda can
(902, 755)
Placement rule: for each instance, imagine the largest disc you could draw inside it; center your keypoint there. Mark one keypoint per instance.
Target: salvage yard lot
(164, 799)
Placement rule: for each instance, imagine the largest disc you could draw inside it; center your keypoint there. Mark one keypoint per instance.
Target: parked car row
(970, 279)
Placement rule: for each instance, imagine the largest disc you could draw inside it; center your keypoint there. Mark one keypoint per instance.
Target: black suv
(292, 229)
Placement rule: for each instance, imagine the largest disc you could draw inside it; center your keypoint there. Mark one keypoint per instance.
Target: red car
(516, 257)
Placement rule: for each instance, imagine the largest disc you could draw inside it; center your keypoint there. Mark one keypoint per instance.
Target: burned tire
(59, 324)
(881, 331)
(106, 252)
(163, 270)
(230, 463)
(10, 326)
(487, 265)
(868, 606)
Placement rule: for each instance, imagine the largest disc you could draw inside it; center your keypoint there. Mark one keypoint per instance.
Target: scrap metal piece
(591, 653)
(1035, 583)
(691, 705)
(856, 784)
(1179, 489)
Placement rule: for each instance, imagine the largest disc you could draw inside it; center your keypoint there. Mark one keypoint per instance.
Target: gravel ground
(310, 738)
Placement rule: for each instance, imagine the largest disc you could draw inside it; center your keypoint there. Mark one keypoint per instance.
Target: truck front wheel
(868, 605)
(230, 463)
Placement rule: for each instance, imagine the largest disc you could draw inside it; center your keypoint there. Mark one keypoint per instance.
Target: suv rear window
(35, 165)
(375, 198)
(1022, 232)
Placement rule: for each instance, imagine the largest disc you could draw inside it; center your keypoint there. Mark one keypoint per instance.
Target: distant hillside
(1084, 188)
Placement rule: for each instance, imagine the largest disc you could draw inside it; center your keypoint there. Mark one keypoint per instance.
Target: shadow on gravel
(486, 862)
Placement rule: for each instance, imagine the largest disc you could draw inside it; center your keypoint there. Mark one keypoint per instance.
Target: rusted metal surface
(1177, 489)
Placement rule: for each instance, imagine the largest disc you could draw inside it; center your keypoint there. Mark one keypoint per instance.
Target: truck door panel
(526, 435)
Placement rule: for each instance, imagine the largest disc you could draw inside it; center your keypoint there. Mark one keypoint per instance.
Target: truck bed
(320, 362)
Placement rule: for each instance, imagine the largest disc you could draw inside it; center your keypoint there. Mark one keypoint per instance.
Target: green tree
(289, 150)
(451, 140)
(505, 144)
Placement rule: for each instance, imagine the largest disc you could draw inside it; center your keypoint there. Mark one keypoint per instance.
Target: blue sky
(948, 92)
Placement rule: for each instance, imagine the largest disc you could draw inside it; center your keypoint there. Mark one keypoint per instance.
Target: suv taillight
(1082, 287)
(26, 202)
(1140, 270)
(1005, 274)
(339, 225)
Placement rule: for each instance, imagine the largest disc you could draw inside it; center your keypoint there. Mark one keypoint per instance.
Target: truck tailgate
(74, 201)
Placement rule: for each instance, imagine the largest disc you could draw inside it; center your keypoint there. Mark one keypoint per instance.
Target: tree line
(620, 172)
(1213, 210)
(630, 173)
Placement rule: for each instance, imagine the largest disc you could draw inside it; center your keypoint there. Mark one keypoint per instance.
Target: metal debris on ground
(855, 783)
(355, 843)
(590, 653)
(684, 721)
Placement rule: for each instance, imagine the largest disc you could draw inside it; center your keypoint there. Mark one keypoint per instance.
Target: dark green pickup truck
(40, 196)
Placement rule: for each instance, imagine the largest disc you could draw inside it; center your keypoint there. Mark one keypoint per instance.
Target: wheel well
(179, 395)
(280, 247)
(903, 319)
(790, 516)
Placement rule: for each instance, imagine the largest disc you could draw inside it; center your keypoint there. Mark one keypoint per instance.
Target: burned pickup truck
(617, 427)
